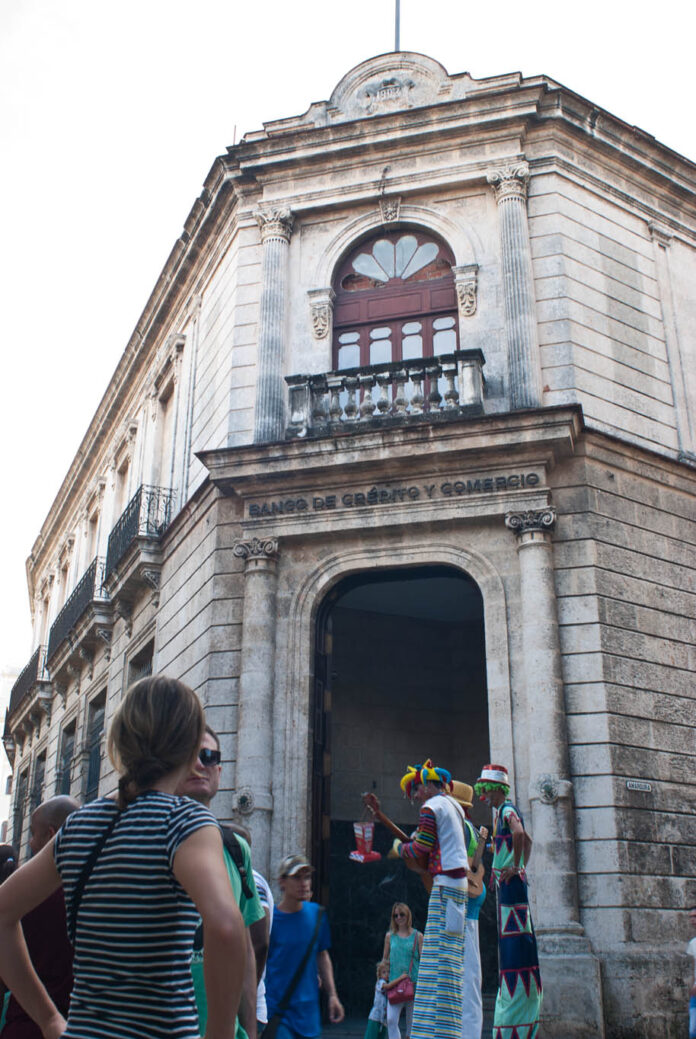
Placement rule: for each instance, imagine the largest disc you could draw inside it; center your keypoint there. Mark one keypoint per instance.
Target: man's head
(47, 819)
(422, 782)
(493, 785)
(295, 878)
(203, 780)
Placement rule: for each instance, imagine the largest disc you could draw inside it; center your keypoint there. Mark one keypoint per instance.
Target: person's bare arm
(420, 942)
(325, 968)
(519, 841)
(260, 932)
(247, 1006)
(25, 889)
(387, 948)
(200, 869)
(392, 984)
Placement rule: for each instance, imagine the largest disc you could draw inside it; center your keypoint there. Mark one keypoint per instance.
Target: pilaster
(254, 798)
(510, 184)
(569, 969)
(276, 224)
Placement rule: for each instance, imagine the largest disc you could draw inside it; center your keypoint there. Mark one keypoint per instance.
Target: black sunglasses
(207, 757)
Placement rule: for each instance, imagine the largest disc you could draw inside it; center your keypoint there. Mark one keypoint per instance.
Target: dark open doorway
(401, 676)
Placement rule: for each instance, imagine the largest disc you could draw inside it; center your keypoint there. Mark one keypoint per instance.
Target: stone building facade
(399, 462)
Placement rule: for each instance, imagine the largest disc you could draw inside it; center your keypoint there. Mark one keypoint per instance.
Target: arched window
(395, 300)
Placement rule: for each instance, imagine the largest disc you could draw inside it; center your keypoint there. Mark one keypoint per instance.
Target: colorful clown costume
(518, 1002)
(440, 838)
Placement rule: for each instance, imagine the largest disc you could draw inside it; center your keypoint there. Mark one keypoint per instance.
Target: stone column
(570, 971)
(686, 431)
(510, 185)
(254, 799)
(276, 229)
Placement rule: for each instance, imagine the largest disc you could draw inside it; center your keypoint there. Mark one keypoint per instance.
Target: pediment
(388, 83)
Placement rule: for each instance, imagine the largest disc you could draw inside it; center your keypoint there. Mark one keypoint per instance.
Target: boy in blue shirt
(294, 926)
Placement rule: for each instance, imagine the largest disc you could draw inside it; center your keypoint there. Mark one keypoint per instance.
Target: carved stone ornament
(385, 94)
(276, 222)
(390, 208)
(321, 311)
(532, 520)
(548, 789)
(256, 548)
(245, 801)
(509, 181)
(660, 235)
(466, 284)
(321, 320)
(60, 689)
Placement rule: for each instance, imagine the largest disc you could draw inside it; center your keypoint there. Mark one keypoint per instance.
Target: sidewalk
(354, 1027)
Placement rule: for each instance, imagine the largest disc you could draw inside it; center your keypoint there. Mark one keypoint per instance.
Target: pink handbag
(405, 990)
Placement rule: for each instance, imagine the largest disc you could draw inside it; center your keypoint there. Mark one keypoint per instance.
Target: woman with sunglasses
(402, 949)
(136, 872)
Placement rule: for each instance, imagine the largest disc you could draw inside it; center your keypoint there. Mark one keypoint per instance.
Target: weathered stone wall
(598, 306)
(200, 616)
(625, 575)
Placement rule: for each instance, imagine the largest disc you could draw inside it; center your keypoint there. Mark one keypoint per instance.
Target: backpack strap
(86, 872)
(232, 845)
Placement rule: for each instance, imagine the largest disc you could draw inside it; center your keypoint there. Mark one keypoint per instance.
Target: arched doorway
(400, 676)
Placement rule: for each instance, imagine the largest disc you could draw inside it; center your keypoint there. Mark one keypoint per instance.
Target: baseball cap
(293, 864)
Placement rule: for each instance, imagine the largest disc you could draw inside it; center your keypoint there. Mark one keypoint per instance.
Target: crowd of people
(141, 915)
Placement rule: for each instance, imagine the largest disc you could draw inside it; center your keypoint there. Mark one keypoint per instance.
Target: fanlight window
(395, 300)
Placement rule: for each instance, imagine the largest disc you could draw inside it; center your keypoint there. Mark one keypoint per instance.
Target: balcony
(85, 620)
(133, 558)
(27, 679)
(88, 589)
(30, 699)
(427, 389)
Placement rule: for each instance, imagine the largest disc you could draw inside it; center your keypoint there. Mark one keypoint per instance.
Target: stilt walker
(440, 841)
(518, 1003)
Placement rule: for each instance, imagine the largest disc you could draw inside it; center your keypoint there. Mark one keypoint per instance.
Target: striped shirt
(135, 923)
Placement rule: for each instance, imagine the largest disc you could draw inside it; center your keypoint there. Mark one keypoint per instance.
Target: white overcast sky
(111, 115)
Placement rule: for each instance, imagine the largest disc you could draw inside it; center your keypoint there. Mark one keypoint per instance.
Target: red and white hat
(494, 774)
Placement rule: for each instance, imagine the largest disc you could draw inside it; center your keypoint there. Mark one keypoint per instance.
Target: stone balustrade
(426, 388)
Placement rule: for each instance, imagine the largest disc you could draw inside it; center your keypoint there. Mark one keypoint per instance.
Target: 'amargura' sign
(393, 495)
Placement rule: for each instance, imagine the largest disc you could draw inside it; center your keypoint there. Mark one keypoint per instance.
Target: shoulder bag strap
(85, 874)
(287, 995)
(413, 953)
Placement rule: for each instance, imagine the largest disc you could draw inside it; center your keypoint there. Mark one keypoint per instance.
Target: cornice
(171, 289)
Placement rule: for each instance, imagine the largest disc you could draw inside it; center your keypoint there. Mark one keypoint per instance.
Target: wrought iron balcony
(88, 588)
(147, 515)
(427, 388)
(28, 678)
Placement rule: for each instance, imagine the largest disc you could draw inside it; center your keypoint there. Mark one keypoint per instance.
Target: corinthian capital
(256, 549)
(276, 222)
(540, 520)
(509, 181)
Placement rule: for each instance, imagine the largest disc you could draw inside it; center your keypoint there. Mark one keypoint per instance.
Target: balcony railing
(385, 394)
(88, 588)
(27, 678)
(147, 514)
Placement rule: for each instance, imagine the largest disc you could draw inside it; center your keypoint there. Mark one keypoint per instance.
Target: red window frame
(423, 297)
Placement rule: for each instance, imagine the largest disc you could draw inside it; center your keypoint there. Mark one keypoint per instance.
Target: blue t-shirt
(290, 936)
